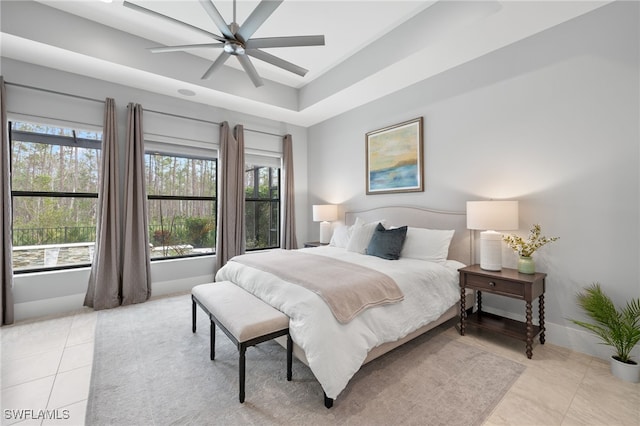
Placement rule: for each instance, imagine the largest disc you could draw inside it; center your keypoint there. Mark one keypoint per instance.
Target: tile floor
(46, 365)
(46, 369)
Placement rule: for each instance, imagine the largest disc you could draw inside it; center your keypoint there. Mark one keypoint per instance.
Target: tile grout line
(55, 378)
(575, 393)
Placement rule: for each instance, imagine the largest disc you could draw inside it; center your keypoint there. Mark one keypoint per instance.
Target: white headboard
(419, 217)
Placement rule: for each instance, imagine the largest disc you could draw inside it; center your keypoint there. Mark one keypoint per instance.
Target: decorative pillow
(341, 236)
(361, 235)
(427, 244)
(387, 243)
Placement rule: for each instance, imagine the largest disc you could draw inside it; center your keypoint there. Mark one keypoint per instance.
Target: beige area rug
(150, 369)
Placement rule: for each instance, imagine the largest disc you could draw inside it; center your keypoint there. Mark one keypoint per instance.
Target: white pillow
(361, 235)
(341, 236)
(427, 244)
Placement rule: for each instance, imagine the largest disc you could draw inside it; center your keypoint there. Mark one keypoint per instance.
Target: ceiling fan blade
(166, 49)
(278, 62)
(168, 18)
(217, 19)
(261, 43)
(217, 64)
(260, 14)
(250, 69)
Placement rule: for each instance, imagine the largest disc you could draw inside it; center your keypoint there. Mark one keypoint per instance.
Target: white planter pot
(624, 371)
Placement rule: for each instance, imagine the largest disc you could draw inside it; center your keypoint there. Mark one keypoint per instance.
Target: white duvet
(334, 351)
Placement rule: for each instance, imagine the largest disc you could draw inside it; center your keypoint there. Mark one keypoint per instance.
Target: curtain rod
(208, 122)
(264, 133)
(169, 114)
(24, 86)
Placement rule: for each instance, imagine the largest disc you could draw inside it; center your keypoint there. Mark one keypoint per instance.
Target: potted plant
(526, 248)
(619, 328)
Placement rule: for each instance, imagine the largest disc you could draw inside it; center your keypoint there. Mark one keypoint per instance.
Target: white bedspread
(335, 351)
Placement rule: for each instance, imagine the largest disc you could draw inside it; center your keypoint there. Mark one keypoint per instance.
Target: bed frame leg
(328, 402)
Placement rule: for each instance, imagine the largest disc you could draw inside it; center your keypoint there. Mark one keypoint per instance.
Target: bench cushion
(244, 315)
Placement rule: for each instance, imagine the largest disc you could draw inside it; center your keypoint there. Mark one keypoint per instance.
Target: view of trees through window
(55, 175)
(182, 204)
(262, 207)
(54, 181)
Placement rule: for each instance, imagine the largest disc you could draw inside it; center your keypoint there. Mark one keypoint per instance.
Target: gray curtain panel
(136, 262)
(230, 220)
(289, 239)
(105, 280)
(6, 251)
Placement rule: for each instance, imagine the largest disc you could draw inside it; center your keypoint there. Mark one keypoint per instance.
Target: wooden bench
(244, 318)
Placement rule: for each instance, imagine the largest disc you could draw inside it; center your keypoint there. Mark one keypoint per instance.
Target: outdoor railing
(35, 248)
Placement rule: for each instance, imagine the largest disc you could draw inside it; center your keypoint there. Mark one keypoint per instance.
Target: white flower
(533, 242)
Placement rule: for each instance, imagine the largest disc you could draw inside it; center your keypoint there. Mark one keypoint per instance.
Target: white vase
(624, 371)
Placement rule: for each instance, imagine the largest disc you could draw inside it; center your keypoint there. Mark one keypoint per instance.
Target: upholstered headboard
(419, 217)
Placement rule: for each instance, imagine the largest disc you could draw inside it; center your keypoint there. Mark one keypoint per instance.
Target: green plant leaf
(617, 328)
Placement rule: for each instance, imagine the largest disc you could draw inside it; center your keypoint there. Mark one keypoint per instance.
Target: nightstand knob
(492, 284)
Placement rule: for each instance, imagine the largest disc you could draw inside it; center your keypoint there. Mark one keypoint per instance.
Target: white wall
(551, 121)
(47, 293)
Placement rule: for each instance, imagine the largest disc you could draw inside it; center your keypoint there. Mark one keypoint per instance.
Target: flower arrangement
(533, 242)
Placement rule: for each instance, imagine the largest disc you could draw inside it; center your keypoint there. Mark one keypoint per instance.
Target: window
(181, 192)
(262, 207)
(54, 190)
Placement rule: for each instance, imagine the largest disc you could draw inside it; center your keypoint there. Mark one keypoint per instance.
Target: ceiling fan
(236, 39)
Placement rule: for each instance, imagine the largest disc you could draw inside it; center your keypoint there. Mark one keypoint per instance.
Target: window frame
(270, 202)
(48, 139)
(186, 198)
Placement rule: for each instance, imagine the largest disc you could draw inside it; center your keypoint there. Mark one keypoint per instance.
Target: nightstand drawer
(493, 285)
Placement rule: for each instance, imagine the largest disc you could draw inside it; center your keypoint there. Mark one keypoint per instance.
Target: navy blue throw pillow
(387, 243)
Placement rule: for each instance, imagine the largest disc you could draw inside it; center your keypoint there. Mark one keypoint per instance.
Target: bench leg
(212, 341)
(193, 315)
(289, 356)
(241, 367)
(328, 402)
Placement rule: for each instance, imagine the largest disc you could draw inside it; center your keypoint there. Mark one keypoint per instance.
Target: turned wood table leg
(529, 330)
(479, 298)
(463, 310)
(541, 309)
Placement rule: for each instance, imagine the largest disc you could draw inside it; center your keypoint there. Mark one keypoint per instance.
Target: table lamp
(489, 216)
(325, 213)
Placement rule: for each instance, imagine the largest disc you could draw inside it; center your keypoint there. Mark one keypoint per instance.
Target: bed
(335, 350)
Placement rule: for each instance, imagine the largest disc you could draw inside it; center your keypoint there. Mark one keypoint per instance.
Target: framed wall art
(395, 158)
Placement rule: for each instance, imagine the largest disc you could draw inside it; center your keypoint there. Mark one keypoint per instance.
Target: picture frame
(395, 158)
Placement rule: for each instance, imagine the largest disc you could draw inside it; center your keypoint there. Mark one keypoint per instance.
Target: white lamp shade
(325, 212)
(492, 215)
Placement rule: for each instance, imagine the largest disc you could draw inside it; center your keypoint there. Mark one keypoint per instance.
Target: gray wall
(551, 121)
(47, 293)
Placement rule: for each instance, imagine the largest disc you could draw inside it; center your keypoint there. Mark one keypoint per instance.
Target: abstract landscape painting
(395, 159)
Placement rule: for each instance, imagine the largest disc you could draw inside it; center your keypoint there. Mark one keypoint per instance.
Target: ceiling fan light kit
(236, 39)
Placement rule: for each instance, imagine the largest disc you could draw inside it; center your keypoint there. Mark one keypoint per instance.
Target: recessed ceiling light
(186, 92)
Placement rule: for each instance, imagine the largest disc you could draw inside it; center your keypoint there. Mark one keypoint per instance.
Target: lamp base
(491, 251)
(325, 232)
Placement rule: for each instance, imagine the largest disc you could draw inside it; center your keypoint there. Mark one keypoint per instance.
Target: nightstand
(508, 283)
(314, 244)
